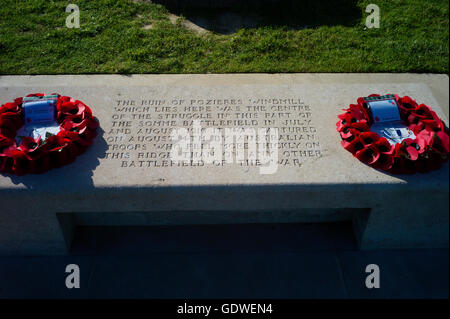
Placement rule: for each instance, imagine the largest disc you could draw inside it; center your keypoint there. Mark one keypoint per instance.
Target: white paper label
(394, 132)
(38, 130)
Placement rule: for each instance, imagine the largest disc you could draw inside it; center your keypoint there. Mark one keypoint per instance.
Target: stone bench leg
(32, 231)
(403, 227)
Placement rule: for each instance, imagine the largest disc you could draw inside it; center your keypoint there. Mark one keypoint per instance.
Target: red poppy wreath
(77, 130)
(426, 151)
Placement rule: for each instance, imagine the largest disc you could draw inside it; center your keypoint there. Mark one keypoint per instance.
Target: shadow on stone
(234, 238)
(228, 16)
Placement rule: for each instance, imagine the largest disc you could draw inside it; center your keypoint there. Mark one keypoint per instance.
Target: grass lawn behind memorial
(120, 36)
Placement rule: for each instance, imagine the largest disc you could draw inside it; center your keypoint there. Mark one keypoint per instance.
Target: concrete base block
(127, 178)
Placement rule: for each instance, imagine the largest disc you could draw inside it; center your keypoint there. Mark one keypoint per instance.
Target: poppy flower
(357, 112)
(5, 142)
(73, 108)
(401, 164)
(55, 152)
(440, 144)
(384, 146)
(435, 124)
(88, 135)
(68, 107)
(36, 95)
(11, 120)
(368, 154)
(11, 134)
(63, 99)
(6, 163)
(349, 131)
(52, 143)
(428, 163)
(92, 123)
(420, 114)
(363, 105)
(416, 128)
(361, 102)
(406, 105)
(10, 107)
(69, 135)
(9, 125)
(349, 118)
(21, 165)
(424, 138)
(368, 138)
(352, 144)
(72, 152)
(74, 123)
(443, 138)
(423, 112)
(59, 156)
(345, 120)
(436, 142)
(360, 127)
(411, 149)
(29, 144)
(78, 122)
(432, 125)
(385, 161)
(441, 125)
(85, 109)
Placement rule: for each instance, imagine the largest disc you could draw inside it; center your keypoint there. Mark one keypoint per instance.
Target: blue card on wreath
(39, 111)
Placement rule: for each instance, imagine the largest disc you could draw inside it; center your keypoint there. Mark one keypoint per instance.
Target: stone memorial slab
(299, 174)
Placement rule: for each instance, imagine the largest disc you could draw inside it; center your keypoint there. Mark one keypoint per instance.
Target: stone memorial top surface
(138, 113)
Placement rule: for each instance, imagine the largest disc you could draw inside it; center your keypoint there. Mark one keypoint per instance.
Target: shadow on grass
(228, 16)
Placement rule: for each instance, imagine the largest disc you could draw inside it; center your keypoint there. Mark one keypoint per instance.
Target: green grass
(414, 37)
